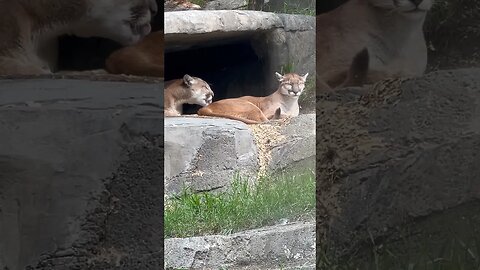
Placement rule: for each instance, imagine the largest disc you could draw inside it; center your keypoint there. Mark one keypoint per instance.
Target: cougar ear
(304, 77)
(188, 80)
(279, 76)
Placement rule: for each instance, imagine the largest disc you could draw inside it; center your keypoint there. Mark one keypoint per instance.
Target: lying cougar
(25, 25)
(189, 90)
(255, 110)
(142, 59)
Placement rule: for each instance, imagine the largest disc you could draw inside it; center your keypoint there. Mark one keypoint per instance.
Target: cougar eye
(288, 86)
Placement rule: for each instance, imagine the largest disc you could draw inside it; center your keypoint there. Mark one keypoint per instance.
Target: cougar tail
(207, 112)
(358, 72)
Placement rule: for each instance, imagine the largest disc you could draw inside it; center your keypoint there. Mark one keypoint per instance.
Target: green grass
(201, 3)
(242, 207)
(290, 7)
(287, 68)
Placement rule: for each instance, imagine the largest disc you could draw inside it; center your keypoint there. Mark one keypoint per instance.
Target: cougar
(142, 59)
(391, 30)
(255, 110)
(188, 90)
(26, 25)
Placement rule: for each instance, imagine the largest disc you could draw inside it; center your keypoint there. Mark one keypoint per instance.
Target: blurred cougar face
(124, 21)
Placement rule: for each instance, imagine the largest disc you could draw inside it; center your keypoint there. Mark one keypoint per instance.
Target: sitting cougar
(255, 110)
(391, 30)
(25, 25)
(189, 90)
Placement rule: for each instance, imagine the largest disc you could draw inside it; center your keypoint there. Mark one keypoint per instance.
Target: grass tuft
(291, 7)
(242, 207)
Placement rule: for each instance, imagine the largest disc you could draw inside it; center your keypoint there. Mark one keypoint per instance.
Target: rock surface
(296, 151)
(266, 248)
(206, 153)
(80, 174)
(226, 4)
(200, 22)
(186, 29)
(394, 153)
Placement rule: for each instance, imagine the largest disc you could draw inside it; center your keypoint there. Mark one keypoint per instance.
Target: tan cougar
(391, 30)
(26, 25)
(188, 90)
(255, 110)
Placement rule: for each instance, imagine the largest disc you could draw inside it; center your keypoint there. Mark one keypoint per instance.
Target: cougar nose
(416, 2)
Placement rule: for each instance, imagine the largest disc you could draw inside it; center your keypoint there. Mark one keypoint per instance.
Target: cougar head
(124, 21)
(291, 84)
(200, 92)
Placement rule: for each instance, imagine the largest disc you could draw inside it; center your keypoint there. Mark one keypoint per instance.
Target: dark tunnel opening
(232, 70)
(326, 6)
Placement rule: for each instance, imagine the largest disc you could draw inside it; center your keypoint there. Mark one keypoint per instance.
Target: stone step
(289, 245)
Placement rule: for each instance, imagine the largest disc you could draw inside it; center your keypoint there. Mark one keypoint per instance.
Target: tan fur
(254, 110)
(189, 90)
(142, 59)
(241, 110)
(391, 30)
(27, 25)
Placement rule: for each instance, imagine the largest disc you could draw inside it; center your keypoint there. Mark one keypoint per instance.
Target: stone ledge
(199, 21)
(264, 248)
(206, 153)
